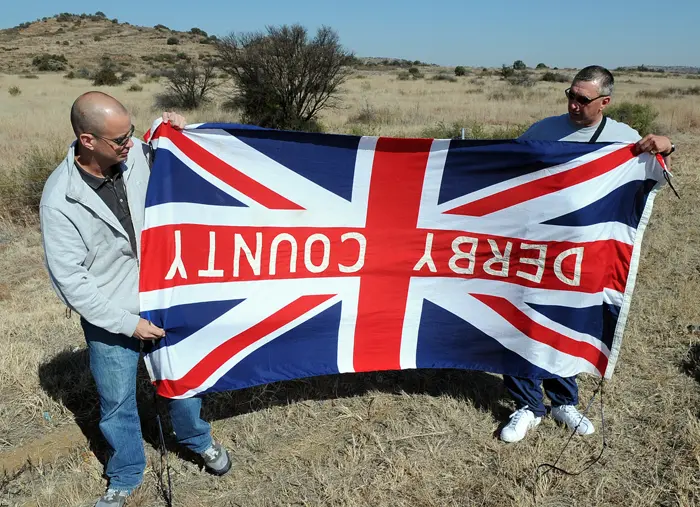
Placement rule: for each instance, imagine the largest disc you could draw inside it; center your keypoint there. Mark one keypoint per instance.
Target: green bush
(472, 130)
(161, 27)
(507, 132)
(70, 75)
(172, 41)
(105, 76)
(14, 91)
(460, 71)
(164, 58)
(665, 93)
(506, 72)
(126, 75)
(541, 66)
(415, 73)
(519, 65)
(197, 31)
(49, 62)
(641, 117)
(444, 77)
(554, 77)
(135, 88)
(521, 78)
(442, 130)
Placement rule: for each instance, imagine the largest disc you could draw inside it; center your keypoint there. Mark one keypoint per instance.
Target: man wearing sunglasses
(92, 211)
(590, 93)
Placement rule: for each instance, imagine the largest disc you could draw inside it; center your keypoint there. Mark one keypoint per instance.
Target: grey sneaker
(112, 498)
(216, 459)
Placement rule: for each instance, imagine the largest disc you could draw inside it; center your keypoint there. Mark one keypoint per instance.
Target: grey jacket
(87, 252)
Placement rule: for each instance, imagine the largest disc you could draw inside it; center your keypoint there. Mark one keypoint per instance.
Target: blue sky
(489, 33)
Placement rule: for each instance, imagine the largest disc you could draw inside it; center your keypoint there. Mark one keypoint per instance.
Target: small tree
(105, 75)
(284, 79)
(188, 87)
(506, 72)
(519, 65)
(415, 72)
(541, 66)
(460, 71)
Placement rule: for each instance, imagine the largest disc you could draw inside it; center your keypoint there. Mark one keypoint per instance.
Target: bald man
(92, 210)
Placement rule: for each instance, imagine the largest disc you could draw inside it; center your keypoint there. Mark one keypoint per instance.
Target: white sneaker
(569, 415)
(520, 421)
(112, 498)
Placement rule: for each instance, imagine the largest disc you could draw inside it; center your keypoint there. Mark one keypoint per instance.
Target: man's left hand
(653, 144)
(176, 121)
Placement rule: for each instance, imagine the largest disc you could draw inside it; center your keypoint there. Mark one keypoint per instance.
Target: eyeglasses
(120, 141)
(581, 99)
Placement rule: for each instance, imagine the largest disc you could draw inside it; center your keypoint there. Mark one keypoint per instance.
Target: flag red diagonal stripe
(543, 334)
(221, 354)
(226, 173)
(544, 186)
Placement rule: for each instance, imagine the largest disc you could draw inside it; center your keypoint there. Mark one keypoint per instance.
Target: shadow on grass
(67, 379)
(691, 363)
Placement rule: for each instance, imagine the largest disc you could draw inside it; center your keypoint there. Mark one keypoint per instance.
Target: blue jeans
(113, 362)
(528, 392)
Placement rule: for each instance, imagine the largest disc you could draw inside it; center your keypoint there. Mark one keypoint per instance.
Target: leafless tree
(189, 86)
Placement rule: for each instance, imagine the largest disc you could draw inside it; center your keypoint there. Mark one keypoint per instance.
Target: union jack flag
(272, 255)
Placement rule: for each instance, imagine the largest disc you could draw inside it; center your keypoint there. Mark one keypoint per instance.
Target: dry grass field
(413, 438)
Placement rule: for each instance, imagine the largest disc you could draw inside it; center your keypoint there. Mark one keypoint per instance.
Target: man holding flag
(590, 93)
(91, 212)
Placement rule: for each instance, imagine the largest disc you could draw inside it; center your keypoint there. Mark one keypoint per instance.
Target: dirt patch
(45, 449)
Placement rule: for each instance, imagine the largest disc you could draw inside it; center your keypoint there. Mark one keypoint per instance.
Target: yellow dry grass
(416, 438)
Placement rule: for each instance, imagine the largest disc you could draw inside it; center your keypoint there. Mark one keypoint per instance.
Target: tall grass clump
(21, 186)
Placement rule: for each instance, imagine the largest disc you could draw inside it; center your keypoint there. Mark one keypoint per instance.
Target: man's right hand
(147, 331)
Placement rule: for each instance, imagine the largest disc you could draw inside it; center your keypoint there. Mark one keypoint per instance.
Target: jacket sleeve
(64, 252)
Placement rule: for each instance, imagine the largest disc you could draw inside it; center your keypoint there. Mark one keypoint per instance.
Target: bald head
(92, 110)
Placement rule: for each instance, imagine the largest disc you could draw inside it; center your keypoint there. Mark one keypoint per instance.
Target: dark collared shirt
(112, 191)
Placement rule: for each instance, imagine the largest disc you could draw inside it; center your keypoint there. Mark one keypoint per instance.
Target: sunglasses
(581, 99)
(120, 141)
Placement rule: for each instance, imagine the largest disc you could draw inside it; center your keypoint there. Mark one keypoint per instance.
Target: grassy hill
(84, 40)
